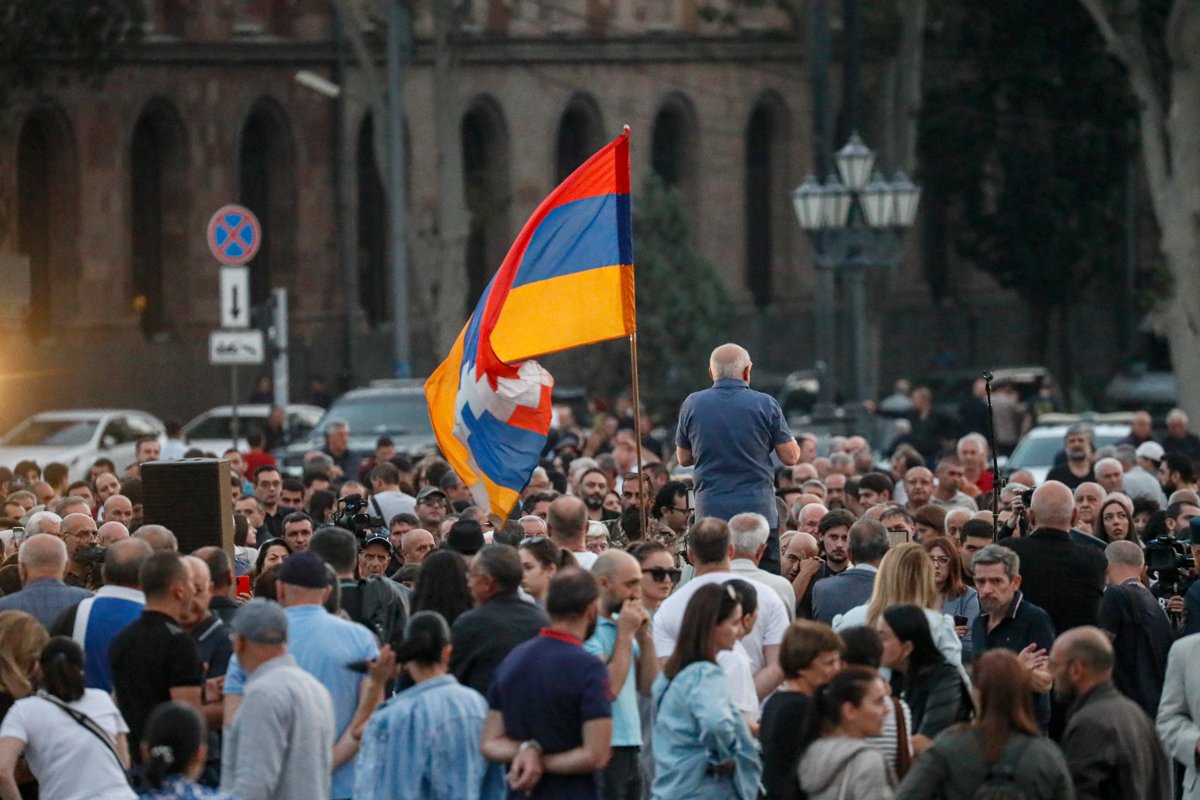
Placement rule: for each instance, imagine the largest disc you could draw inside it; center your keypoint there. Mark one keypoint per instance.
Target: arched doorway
(268, 188)
(580, 134)
(485, 150)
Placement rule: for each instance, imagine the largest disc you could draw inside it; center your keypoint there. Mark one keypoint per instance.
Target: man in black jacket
(1111, 746)
(500, 621)
(1063, 578)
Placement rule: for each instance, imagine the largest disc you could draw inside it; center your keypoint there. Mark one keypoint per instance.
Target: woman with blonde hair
(906, 577)
(22, 638)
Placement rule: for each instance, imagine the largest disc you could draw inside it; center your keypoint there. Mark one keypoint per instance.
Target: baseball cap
(428, 490)
(465, 536)
(304, 569)
(377, 538)
(1150, 450)
(261, 621)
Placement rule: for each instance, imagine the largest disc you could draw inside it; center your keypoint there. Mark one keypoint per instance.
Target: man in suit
(1179, 711)
(853, 587)
(1062, 577)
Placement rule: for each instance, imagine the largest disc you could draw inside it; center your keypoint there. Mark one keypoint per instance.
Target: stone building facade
(106, 189)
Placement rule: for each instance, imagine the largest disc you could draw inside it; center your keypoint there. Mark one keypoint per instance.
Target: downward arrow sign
(237, 311)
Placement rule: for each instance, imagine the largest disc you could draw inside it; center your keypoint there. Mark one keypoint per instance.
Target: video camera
(1169, 560)
(353, 517)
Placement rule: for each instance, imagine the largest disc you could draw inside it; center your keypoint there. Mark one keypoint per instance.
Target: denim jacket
(696, 728)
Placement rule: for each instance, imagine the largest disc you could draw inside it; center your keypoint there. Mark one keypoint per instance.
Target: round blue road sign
(234, 234)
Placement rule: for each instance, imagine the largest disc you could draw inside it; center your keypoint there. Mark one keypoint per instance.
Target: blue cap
(304, 569)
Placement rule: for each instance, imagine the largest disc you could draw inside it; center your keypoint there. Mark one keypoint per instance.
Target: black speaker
(193, 499)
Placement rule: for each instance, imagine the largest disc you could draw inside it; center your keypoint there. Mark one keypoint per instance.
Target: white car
(212, 431)
(77, 437)
(1038, 449)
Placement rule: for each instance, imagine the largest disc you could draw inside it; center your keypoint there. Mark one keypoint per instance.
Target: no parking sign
(234, 234)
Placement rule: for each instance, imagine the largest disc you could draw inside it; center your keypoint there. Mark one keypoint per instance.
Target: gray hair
(1104, 462)
(868, 541)
(841, 460)
(34, 523)
(1177, 414)
(336, 425)
(1124, 554)
(539, 472)
(977, 438)
(595, 529)
(999, 554)
(747, 533)
(728, 361)
(1126, 454)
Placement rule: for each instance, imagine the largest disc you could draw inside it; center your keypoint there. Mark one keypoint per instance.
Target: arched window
(268, 188)
(580, 134)
(48, 213)
(158, 216)
(674, 148)
(373, 290)
(485, 149)
(766, 134)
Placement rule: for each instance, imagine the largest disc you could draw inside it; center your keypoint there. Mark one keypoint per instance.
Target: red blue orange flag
(567, 281)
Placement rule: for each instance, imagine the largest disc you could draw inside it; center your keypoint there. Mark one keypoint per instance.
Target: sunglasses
(660, 574)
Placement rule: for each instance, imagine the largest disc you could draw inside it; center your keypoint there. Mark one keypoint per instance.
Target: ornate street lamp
(855, 224)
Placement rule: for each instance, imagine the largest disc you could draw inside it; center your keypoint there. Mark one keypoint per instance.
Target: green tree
(1024, 149)
(682, 308)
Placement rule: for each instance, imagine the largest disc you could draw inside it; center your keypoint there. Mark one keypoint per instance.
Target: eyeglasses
(534, 539)
(660, 574)
(941, 561)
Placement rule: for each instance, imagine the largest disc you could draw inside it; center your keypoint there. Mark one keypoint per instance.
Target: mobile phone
(959, 621)
(243, 584)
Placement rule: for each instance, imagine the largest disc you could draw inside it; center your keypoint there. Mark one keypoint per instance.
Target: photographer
(1191, 600)
(1169, 560)
(377, 602)
(1014, 500)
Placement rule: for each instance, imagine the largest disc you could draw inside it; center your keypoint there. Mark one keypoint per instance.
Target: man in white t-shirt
(387, 499)
(567, 521)
(710, 551)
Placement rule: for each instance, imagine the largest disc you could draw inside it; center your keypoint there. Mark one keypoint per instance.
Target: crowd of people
(753, 614)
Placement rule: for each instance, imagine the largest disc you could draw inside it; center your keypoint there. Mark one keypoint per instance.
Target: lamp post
(856, 222)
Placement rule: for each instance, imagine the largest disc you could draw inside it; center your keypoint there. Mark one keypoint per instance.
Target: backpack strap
(903, 748)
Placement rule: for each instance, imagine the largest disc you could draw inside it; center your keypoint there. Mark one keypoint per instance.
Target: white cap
(1150, 450)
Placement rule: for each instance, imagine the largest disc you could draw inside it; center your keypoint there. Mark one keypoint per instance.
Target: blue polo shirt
(732, 431)
(627, 725)
(546, 689)
(323, 644)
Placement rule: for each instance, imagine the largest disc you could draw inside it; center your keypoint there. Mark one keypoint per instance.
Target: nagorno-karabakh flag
(567, 281)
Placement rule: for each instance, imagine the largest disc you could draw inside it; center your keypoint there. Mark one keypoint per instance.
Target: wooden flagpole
(637, 432)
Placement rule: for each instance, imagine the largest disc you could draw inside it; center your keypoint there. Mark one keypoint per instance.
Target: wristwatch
(530, 743)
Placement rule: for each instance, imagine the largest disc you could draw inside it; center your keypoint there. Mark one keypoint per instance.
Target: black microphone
(987, 376)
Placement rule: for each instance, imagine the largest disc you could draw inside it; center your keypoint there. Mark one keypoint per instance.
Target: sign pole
(233, 403)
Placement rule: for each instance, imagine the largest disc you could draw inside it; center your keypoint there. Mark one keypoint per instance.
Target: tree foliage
(86, 35)
(1024, 148)
(681, 303)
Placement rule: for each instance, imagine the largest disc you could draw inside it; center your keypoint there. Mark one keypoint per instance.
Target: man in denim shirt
(729, 432)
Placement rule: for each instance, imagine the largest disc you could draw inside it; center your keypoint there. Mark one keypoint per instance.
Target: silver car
(212, 430)
(77, 437)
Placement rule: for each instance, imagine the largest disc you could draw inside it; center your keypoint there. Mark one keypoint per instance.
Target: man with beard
(430, 508)
(1111, 746)
(1078, 467)
(626, 530)
(593, 485)
(834, 534)
(623, 642)
(1006, 619)
(1175, 472)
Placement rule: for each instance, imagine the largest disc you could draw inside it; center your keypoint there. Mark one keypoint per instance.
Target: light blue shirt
(323, 644)
(627, 726)
(696, 727)
(424, 743)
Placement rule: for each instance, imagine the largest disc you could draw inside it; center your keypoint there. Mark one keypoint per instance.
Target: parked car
(77, 437)
(1038, 449)
(394, 408)
(212, 431)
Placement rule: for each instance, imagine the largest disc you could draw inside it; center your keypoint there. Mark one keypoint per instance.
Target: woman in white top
(906, 577)
(735, 662)
(69, 759)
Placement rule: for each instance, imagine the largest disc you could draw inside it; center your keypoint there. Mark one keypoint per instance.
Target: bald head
(112, 532)
(42, 555)
(612, 563)
(567, 520)
(729, 361)
(800, 547)
(158, 537)
(123, 560)
(1053, 506)
(1125, 554)
(1087, 646)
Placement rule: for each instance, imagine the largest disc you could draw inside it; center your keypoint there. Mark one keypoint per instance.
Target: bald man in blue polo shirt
(729, 432)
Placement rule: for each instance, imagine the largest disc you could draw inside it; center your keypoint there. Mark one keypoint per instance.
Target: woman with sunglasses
(659, 575)
(958, 600)
(702, 747)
